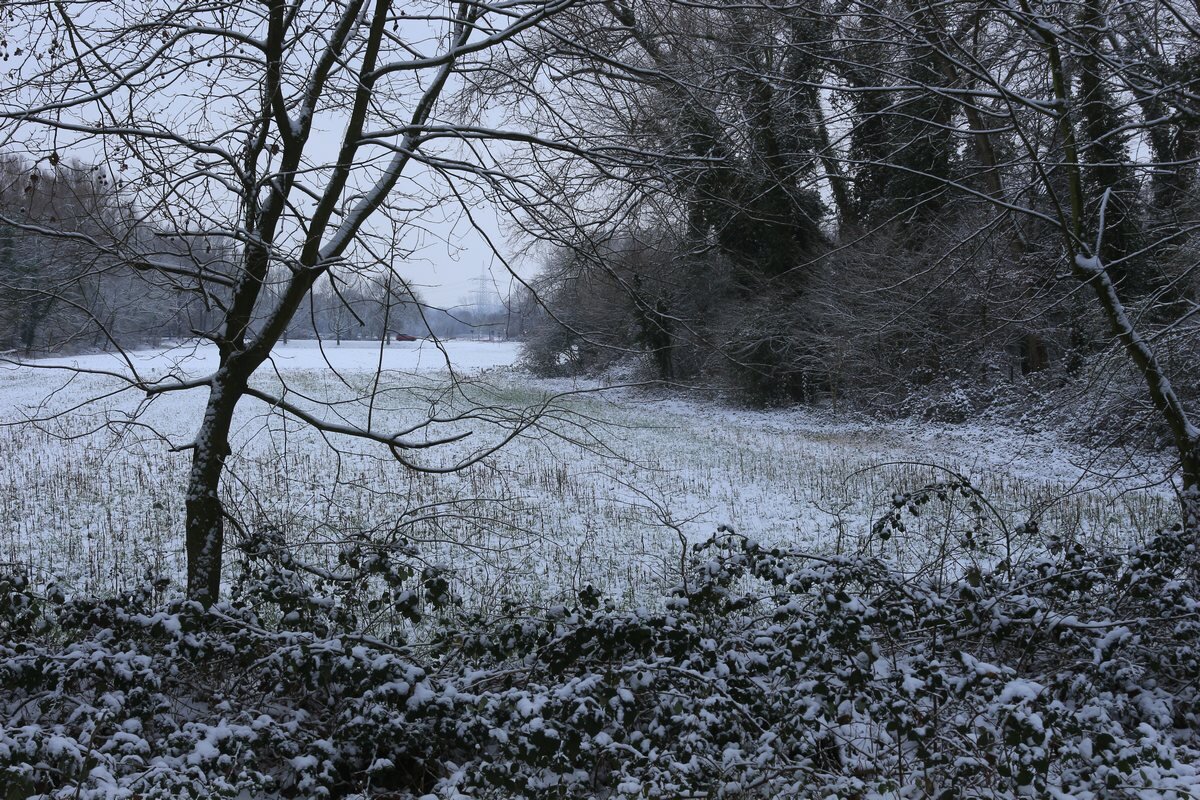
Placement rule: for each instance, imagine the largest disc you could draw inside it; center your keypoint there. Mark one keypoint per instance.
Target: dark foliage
(1066, 672)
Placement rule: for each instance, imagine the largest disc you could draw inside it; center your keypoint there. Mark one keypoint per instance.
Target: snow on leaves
(773, 673)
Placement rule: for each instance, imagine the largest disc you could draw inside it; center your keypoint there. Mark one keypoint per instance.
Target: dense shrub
(1068, 672)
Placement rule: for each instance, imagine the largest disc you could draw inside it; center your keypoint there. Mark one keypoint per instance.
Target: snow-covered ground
(422, 355)
(603, 490)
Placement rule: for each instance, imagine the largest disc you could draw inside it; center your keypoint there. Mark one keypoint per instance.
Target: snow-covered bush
(766, 673)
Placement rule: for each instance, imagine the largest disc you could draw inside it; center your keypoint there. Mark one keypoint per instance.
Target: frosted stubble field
(603, 491)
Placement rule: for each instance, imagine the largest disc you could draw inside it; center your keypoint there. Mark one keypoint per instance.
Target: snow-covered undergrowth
(766, 673)
(602, 492)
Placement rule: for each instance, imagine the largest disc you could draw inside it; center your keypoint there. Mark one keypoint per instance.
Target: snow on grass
(604, 491)
(194, 360)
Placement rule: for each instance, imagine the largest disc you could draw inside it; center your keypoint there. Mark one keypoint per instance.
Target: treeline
(62, 284)
(82, 268)
(378, 306)
(366, 308)
(873, 203)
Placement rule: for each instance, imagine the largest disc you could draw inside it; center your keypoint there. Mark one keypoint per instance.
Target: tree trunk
(205, 526)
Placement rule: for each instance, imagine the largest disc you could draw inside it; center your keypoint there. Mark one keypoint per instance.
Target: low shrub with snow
(766, 673)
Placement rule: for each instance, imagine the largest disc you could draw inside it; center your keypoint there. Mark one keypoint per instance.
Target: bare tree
(216, 121)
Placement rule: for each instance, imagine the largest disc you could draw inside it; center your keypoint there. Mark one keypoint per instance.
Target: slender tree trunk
(36, 313)
(205, 526)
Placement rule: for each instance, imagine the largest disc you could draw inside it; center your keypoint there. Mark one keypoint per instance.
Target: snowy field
(605, 489)
(421, 355)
